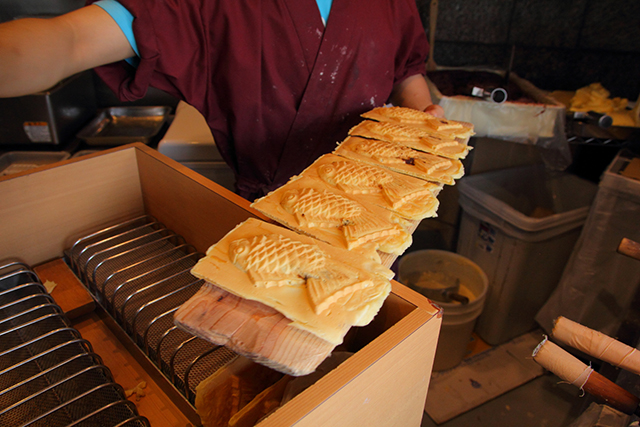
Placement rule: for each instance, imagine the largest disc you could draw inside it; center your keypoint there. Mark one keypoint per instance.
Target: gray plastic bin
(520, 225)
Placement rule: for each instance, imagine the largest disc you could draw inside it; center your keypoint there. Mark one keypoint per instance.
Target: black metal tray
(124, 125)
(19, 161)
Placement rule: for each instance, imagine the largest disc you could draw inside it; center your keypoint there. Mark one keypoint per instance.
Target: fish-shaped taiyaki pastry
(306, 283)
(323, 209)
(386, 152)
(354, 178)
(397, 131)
(390, 153)
(402, 159)
(358, 178)
(275, 260)
(313, 208)
(409, 116)
(419, 138)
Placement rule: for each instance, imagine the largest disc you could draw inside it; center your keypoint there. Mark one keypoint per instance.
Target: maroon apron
(277, 88)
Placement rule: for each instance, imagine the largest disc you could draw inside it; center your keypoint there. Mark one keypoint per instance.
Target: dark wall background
(559, 44)
(11, 9)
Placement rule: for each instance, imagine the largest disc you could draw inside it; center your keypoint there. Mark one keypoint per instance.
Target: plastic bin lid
(529, 198)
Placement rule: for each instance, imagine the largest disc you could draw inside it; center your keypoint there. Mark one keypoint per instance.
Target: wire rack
(579, 133)
(49, 375)
(139, 271)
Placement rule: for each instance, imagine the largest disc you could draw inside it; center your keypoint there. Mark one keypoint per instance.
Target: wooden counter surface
(155, 405)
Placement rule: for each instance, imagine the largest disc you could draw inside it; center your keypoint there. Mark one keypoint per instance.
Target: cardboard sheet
(482, 377)
(632, 170)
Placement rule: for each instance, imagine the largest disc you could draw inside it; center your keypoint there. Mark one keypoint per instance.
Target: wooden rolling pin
(629, 248)
(569, 368)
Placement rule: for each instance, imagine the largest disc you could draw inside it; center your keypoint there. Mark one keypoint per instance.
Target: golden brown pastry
(409, 197)
(401, 159)
(417, 138)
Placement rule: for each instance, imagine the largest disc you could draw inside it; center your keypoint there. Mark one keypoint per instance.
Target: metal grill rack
(580, 133)
(139, 271)
(49, 375)
(586, 140)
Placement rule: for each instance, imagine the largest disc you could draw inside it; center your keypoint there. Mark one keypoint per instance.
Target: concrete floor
(542, 402)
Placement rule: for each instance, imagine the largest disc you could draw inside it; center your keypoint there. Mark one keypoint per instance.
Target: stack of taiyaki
(386, 175)
(300, 290)
(280, 298)
(410, 142)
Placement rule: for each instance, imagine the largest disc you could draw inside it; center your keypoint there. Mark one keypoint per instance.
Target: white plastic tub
(190, 142)
(520, 225)
(541, 121)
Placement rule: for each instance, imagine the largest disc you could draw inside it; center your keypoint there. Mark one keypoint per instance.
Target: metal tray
(124, 125)
(19, 161)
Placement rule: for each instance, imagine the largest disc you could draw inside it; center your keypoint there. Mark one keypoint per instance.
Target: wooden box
(44, 210)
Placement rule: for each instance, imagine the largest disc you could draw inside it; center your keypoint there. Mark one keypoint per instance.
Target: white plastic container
(539, 122)
(190, 142)
(598, 284)
(458, 319)
(520, 226)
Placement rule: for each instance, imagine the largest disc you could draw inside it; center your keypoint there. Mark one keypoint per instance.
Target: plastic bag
(598, 284)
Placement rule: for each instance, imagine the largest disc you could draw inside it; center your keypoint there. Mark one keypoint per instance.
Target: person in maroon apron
(277, 88)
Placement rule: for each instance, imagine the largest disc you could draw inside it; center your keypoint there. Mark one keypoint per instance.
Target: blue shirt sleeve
(325, 8)
(123, 18)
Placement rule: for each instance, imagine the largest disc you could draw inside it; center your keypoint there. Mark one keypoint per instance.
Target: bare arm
(35, 54)
(413, 92)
